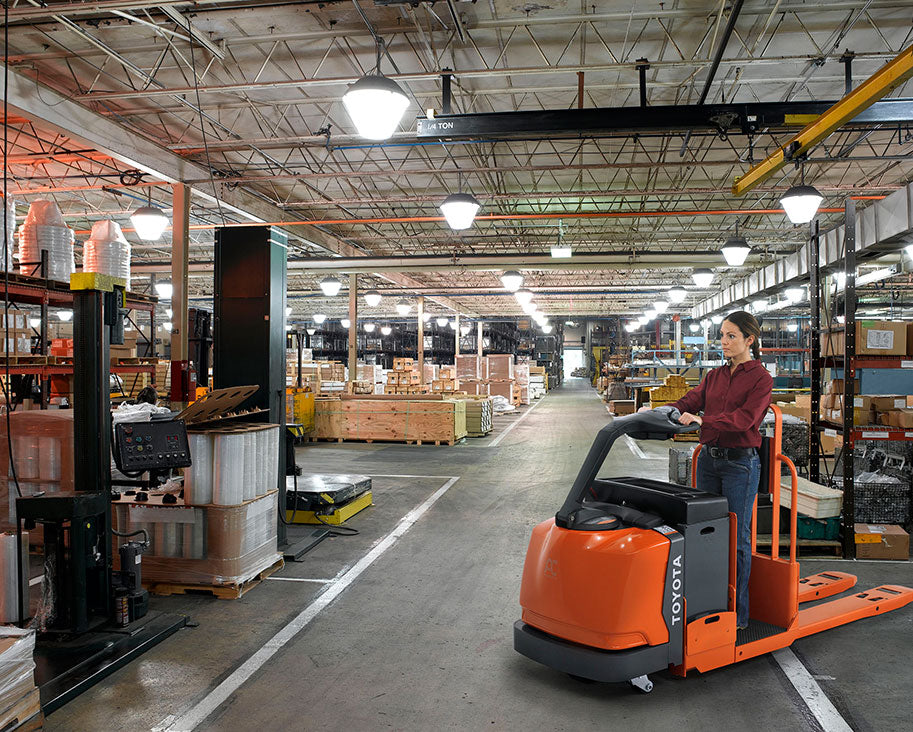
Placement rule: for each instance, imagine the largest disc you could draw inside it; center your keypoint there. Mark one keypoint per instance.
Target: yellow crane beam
(883, 81)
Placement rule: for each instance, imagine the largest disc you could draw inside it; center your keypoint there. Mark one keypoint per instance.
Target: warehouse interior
(333, 329)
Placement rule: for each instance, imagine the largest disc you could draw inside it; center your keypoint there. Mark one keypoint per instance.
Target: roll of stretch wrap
(49, 458)
(198, 477)
(228, 468)
(194, 536)
(25, 453)
(10, 576)
(250, 465)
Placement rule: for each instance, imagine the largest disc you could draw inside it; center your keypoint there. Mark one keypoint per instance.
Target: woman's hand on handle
(643, 409)
(688, 418)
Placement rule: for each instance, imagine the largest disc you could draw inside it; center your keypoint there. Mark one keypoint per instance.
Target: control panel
(152, 445)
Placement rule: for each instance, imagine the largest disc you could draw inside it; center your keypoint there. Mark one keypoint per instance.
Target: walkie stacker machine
(634, 575)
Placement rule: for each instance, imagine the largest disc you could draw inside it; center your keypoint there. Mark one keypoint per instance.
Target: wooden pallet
(478, 434)
(230, 591)
(142, 361)
(372, 440)
(804, 547)
(24, 360)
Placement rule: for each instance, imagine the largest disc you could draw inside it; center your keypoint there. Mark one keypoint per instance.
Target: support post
(456, 337)
(678, 341)
(353, 327)
(420, 343)
(849, 376)
(180, 240)
(642, 67)
(479, 340)
(847, 60)
(445, 92)
(814, 348)
(579, 90)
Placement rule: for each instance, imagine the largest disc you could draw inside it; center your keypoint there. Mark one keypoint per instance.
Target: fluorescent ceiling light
(875, 276)
(403, 307)
(164, 290)
(319, 318)
(369, 327)
(561, 252)
(372, 298)
(460, 210)
(288, 312)
(759, 306)
(311, 331)
(702, 277)
(441, 322)
(694, 327)
(677, 294)
(330, 286)
(716, 319)
(736, 251)
(661, 306)
(792, 327)
(345, 323)
(149, 222)
(386, 330)
(546, 329)
(650, 313)
(65, 315)
(375, 105)
(512, 280)
(801, 203)
(523, 296)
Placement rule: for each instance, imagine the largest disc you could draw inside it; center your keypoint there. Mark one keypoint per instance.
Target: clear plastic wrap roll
(10, 572)
(198, 477)
(272, 457)
(262, 447)
(25, 455)
(107, 251)
(250, 465)
(228, 468)
(45, 230)
(172, 539)
(6, 263)
(49, 458)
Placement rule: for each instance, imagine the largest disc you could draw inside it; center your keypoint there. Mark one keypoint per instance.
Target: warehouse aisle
(421, 638)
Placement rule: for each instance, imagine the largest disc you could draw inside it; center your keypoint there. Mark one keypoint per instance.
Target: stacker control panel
(152, 445)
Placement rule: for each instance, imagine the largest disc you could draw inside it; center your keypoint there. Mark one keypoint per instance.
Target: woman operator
(734, 399)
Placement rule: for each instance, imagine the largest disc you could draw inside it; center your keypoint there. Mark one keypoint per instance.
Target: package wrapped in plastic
(42, 442)
(231, 465)
(107, 251)
(6, 262)
(14, 572)
(19, 697)
(209, 545)
(44, 229)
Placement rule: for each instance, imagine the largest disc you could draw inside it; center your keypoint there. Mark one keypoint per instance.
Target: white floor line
(300, 579)
(635, 448)
(505, 433)
(813, 696)
(36, 580)
(381, 475)
(215, 698)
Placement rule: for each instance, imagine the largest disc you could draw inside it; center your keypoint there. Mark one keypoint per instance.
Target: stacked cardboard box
(472, 373)
(501, 375)
(881, 541)
(537, 381)
(620, 407)
(873, 338)
(125, 350)
(18, 342)
(522, 374)
(404, 378)
(674, 388)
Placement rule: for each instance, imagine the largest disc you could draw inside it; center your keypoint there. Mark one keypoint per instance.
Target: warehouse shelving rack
(850, 364)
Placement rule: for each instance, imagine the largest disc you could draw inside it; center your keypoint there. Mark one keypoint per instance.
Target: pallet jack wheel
(642, 684)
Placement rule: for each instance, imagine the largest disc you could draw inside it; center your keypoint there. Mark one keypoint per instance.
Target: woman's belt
(731, 453)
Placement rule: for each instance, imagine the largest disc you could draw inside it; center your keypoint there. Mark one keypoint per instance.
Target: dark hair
(748, 324)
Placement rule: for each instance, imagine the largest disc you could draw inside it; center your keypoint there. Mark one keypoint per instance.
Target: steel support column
(849, 377)
(420, 343)
(353, 327)
(180, 243)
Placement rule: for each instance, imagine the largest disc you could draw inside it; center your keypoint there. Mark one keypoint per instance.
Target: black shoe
(742, 627)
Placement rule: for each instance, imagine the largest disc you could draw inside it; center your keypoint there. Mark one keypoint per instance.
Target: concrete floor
(422, 638)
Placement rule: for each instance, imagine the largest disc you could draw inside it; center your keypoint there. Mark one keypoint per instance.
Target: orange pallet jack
(634, 576)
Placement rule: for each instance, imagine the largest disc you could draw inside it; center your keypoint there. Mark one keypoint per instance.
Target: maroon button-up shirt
(734, 404)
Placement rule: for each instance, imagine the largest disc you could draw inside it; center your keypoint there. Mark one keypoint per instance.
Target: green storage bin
(812, 528)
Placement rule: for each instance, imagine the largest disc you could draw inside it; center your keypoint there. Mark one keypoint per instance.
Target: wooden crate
(437, 421)
(403, 364)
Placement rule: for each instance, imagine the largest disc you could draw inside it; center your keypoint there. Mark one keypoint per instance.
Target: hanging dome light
(369, 327)
(631, 327)
(523, 296)
(801, 203)
(330, 286)
(453, 324)
(169, 313)
(650, 314)
(319, 318)
(288, 328)
(736, 251)
(311, 331)
(546, 329)
(386, 330)
(529, 308)
(288, 312)
(34, 322)
(345, 323)
(149, 222)
(677, 294)
(442, 321)
(164, 290)
(65, 315)
(792, 327)
(716, 319)
(403, 307)
(702, 277)
(426, 316)
(372, 298)
(694, 327)
(464, 329)
(642, 320)
(661, 306)
(375, 105)
(167, 325)
(512, 280)
(460, 210)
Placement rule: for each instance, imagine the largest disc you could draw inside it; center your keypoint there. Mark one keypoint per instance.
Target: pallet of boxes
(673, 388)
(446, 381)
(538, 383)
(17, 343)
(220, 537)
(20, 702)
(472, 373)
(404, 379)
(369, 379)
(501, 378)
(521, 374)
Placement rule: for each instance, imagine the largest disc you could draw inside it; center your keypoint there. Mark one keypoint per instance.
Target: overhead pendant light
(345, 323)
(372, 298)
(288, 312)
(630, 327)
(792, 327)
(330, 286)
(561, 252)
(369, 327)
(736, 249)
(546, 329)
(442, 321)
(169, 313)
(512, 280)
(386, 330)
(65, 315)
(375, 104)
(403, 307)
(164, 290)
(694, 327)
(453, 325)
(705, 324)
(661, 306)
(523, 296)
(702, 277)
(677, 294)
(650, 314)
(167, 325)
(460, 210)
(319, 318)
(529, 308)
(288, 328)
(909, 250)
(801, 203)
(311, 331)
(464, 329)
(716, 319)
(643, 320)
(34, 322)
(149, 222)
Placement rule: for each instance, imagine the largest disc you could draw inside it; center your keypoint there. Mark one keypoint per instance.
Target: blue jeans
(738, 481)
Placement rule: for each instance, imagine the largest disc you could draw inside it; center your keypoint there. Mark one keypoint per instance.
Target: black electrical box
(152, 445)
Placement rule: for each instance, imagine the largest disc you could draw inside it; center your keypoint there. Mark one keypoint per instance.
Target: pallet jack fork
(666, 599)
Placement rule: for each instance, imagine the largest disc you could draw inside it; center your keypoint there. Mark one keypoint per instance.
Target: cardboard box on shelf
(901, 418)
(881, 541)
(886, 403)
(873, 338)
